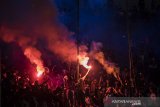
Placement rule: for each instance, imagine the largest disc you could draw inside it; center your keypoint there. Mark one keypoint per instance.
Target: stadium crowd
(19, 91)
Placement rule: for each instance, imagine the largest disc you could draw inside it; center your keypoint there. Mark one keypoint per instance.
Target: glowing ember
(83, 60)
(40, 71)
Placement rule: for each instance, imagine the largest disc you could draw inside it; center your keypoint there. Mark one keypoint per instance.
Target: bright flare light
(40, 71)
(83, 60)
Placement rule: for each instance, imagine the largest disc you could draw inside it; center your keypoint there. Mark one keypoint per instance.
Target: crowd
(19, 91)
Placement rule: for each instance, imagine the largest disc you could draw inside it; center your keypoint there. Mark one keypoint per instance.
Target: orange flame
(34, 56)
(83, 60)
(40, 71)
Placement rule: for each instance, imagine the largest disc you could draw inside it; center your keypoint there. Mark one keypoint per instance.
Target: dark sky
(102, 21)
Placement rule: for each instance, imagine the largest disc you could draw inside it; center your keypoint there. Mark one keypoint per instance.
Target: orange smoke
(97, 54)
(40, 22)
(35, 58)
(26, 43)
(109, 67)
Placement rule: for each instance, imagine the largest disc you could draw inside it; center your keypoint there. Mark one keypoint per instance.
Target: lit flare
(40, 71)
(83, 60)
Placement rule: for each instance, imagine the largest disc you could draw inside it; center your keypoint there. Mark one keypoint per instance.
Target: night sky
(105, 21)
(98, 20)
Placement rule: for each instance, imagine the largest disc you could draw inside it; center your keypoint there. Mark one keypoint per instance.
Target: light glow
(83, 60)
(40, 71)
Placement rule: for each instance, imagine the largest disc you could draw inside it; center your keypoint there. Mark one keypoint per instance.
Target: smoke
(27, 45)
(28, 21)
(98, 55)
(59, 43)
(34, 56)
